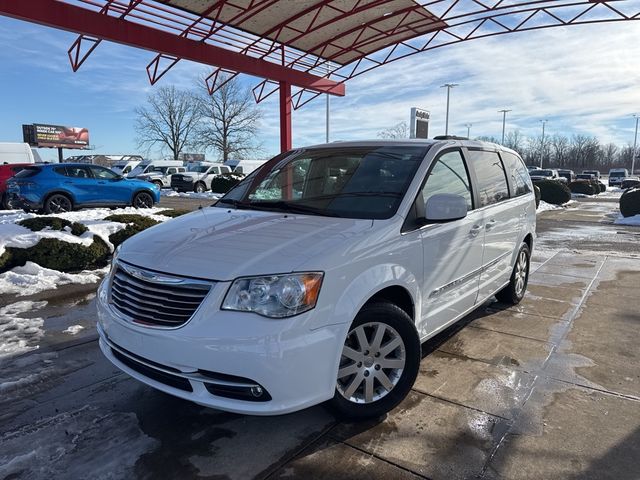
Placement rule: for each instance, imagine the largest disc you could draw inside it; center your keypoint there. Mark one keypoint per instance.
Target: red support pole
(285, 116)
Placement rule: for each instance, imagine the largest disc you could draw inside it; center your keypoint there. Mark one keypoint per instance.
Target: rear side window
(520, 178)
(492, 180)
(77, 172)
(28, 172)
(448, 175)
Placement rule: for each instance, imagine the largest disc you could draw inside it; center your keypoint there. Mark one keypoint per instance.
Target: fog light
(256, 391)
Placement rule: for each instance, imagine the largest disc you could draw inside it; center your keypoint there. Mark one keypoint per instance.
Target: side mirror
(444, 207)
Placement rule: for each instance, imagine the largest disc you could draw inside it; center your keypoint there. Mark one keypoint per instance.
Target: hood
(222, 244)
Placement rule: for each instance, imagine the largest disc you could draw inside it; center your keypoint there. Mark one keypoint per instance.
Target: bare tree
(514, 140)
(169, 120)
(229, 119)
(399, 130)
(560, 150)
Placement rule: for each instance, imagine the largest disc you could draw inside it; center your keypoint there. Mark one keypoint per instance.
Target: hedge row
(587, 187)
(223, 183)
(553, 192)
(54, 223)
(135, 224)
(630, 202)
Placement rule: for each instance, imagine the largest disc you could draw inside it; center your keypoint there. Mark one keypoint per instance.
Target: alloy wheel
(521, 272)
(372, 361)
(59, 204)
(143, 200)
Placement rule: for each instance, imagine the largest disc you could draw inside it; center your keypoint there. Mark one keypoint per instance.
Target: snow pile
(545, 207)
(194, 195)
(73, 329)
(32, 278)
(13, 235)
(633, 221)
(19, 334)
(84, 443)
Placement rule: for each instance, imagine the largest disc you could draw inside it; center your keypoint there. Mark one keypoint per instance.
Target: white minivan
(319, 275)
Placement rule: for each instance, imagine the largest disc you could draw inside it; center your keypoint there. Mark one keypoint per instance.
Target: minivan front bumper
(233, 361)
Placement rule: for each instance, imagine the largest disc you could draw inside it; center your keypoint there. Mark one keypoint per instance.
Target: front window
(353, 182)
(103, 173)
(198, 168)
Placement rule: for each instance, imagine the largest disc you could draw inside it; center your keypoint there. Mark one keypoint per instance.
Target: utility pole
(504, 121)
(544, 122)
(468, 125)
(449, 86)
(635, 143)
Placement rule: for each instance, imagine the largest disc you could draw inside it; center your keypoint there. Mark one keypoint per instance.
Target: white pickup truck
(198, 177)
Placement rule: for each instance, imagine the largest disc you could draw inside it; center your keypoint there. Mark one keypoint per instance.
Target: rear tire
(143, 200)
(58, 203)
(513, 293)
(379, 362)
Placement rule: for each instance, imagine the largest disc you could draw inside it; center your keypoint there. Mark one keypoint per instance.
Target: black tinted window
(492, 181)
(448, 175)
(27, 172)
(103, 173)
(520, 178)
(77, 172)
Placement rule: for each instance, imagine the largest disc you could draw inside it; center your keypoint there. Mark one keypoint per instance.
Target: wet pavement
(544, 390)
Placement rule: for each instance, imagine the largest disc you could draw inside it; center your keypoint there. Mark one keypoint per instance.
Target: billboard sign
(419, 123)
(41, 135)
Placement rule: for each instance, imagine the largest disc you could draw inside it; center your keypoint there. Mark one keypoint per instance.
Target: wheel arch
(66, 193)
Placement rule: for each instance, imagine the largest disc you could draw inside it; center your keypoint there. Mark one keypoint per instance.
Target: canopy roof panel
(338, 30)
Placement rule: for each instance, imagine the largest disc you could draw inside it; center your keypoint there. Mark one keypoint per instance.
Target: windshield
(139, 170)
(198, 168)
(617, 174)
(353, 182)
(544, 173)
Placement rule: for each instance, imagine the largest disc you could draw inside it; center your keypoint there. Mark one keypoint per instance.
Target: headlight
(275, 296)
(116, 252)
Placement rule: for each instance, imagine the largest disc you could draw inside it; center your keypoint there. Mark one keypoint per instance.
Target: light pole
(449, 87)
(544, 122)
(635, 143)
(504, 121)
(468, 125)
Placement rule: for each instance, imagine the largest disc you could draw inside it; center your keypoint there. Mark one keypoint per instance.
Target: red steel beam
(285, 117)
(64, 16)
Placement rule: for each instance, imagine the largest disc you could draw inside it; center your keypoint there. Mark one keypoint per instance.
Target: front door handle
(490, 224)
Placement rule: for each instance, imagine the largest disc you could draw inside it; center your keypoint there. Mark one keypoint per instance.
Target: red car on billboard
(6, 172)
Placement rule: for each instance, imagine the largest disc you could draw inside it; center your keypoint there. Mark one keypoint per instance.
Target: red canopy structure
(314, 46)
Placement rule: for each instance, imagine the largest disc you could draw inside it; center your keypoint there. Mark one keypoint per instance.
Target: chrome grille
(150, 298)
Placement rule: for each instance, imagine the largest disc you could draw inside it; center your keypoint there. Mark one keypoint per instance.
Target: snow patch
(545, 207)
(32, 278)
(19, 334)
(194, 195)
(75, 444)
(73, 329)
(633, 221)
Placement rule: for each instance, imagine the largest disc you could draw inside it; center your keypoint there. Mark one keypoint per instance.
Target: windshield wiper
(290, 207)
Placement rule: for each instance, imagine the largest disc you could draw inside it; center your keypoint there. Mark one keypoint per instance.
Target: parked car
(595, 173)
(568, 175)
(616, 175)
(149, 166)
(244, 166)
(161, 176)
(16, 153)
(198, 177)
(6, 172)
(58, 188)
(630, 182)
(548, 174)
(318, 276)
(585, 177)
(533, 167)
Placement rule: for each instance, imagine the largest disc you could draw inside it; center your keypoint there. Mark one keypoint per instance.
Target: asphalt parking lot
(548, 389)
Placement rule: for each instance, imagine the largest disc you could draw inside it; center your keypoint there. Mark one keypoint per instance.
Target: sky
(582, 79)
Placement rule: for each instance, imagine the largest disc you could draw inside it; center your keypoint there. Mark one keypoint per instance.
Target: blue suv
(58, 188)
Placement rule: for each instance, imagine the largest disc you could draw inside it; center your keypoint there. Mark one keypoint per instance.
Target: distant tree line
(577, 152)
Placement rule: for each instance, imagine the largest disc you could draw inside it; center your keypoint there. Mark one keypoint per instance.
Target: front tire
(58, 203)
(143, 200)
(514, 292)
(200, 187)
(379, 362)
(158, 183)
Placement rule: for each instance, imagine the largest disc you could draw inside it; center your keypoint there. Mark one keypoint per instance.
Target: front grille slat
(155, 299)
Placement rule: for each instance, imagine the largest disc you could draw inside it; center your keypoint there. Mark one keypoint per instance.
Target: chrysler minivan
(319, 275)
